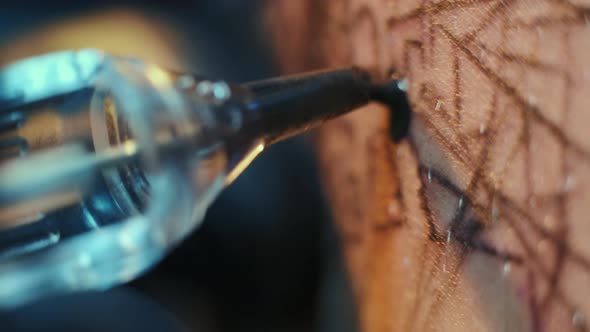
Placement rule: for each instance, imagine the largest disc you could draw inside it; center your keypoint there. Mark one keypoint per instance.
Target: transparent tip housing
(105, 164)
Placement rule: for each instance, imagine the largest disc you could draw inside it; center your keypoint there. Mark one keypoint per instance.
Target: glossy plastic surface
(105, 164)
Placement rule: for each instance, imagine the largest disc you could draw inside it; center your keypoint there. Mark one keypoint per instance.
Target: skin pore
(478, 221)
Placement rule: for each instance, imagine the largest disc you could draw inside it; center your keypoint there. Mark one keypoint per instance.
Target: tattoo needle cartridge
(107, 162)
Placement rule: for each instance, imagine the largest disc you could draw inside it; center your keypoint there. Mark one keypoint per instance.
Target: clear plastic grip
(105, 164)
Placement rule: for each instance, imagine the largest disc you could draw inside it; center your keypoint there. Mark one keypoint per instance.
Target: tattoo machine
(108, 162)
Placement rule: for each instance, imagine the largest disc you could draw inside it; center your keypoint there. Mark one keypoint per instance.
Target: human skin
(478, 220)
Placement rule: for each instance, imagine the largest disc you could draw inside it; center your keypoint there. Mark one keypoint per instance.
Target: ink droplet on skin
(449, 236)
(429, 175)
(460, 202)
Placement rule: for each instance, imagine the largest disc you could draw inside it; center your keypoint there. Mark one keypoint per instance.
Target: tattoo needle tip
(287, 105)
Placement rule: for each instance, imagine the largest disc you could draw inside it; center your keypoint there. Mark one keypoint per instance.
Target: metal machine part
(107, 162)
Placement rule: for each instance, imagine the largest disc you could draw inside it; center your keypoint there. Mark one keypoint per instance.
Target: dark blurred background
(267, 257)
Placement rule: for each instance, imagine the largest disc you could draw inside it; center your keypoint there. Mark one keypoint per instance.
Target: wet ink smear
(465, 227)
(393, 95)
